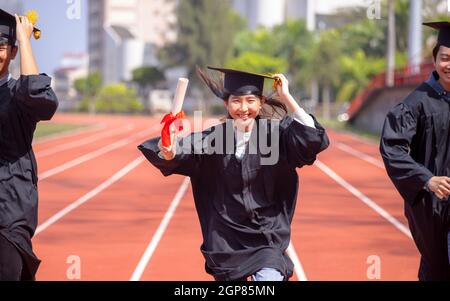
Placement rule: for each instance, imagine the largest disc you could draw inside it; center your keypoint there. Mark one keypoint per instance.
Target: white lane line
(360, 155)
(357, 138)
(56, 136)
(87, 140)
(137, 274)
(94, 154)
(72, 206)
(363, 198)
(298, 268)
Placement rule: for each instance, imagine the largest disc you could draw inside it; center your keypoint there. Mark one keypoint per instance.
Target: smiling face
(7, 53)
(244, 109)
(442, 66)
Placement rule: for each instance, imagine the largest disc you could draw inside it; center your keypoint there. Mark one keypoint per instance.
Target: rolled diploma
(180, 92)
(178, 100)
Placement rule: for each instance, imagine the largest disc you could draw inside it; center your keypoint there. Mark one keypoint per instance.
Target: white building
(268, 13)
(125, 34)
(73, 66)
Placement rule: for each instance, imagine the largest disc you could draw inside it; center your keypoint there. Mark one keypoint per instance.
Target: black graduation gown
(245, 208)
(23, 103)
(415, 146)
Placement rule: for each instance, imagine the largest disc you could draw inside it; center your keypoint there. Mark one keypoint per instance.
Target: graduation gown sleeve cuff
(36, 97)
(184, 162)
(304, 118)
(301, 143)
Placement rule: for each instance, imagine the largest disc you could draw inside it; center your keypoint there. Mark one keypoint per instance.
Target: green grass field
(47, 129)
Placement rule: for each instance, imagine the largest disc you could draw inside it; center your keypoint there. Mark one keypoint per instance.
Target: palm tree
(323, 65)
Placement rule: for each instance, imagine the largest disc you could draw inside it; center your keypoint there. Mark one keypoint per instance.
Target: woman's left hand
(283, 86)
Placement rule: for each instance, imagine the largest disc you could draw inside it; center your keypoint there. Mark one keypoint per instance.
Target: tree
(88, 87)
(285, 49)
(117, 98)
(260, 40)
(356, 71)
(146, 77)
(323, 65)
(366, 35)
(294, 42)
(206, 30)
(258, 63)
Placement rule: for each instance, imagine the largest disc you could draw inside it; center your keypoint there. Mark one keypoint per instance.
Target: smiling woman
(245, 204)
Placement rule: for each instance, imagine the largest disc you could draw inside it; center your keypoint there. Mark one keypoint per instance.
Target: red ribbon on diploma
(168, 119)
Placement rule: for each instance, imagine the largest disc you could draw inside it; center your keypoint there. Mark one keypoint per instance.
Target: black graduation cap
(241, 82)
(8, 28)
(444, 31)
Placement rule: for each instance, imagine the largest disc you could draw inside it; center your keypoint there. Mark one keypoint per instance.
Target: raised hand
(24, 28)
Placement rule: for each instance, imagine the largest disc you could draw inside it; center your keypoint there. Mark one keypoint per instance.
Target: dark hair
(4, 41)
(215, 86)
(7, 42)
(436, 50)
(272, 108)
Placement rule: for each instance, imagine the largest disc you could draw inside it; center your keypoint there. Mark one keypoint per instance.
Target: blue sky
(60, 34)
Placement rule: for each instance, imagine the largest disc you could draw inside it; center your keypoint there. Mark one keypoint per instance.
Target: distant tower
(266, 13)
(269, 13)
(125, 34)
(303, 10)
(415, 35)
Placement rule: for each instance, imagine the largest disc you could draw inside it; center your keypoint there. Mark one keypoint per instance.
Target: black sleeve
(184, 163)
(35, 96)
(300, 143)
(408, 176)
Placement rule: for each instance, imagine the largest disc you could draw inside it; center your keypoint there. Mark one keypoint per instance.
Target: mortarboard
(444, 31)
(241, 82)
(8, 27)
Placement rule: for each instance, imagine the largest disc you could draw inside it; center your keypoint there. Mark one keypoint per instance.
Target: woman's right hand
(168, 152)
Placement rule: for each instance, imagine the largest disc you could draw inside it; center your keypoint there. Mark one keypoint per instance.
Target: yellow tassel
(33, 16)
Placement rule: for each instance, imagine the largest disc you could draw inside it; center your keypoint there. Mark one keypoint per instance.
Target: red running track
(109, 215)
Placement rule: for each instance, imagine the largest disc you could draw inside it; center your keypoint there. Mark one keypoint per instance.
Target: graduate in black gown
(23, 103)
(415, 146)
(245, 203)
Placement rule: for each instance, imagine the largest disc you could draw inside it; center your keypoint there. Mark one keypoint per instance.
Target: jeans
(269, 274)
